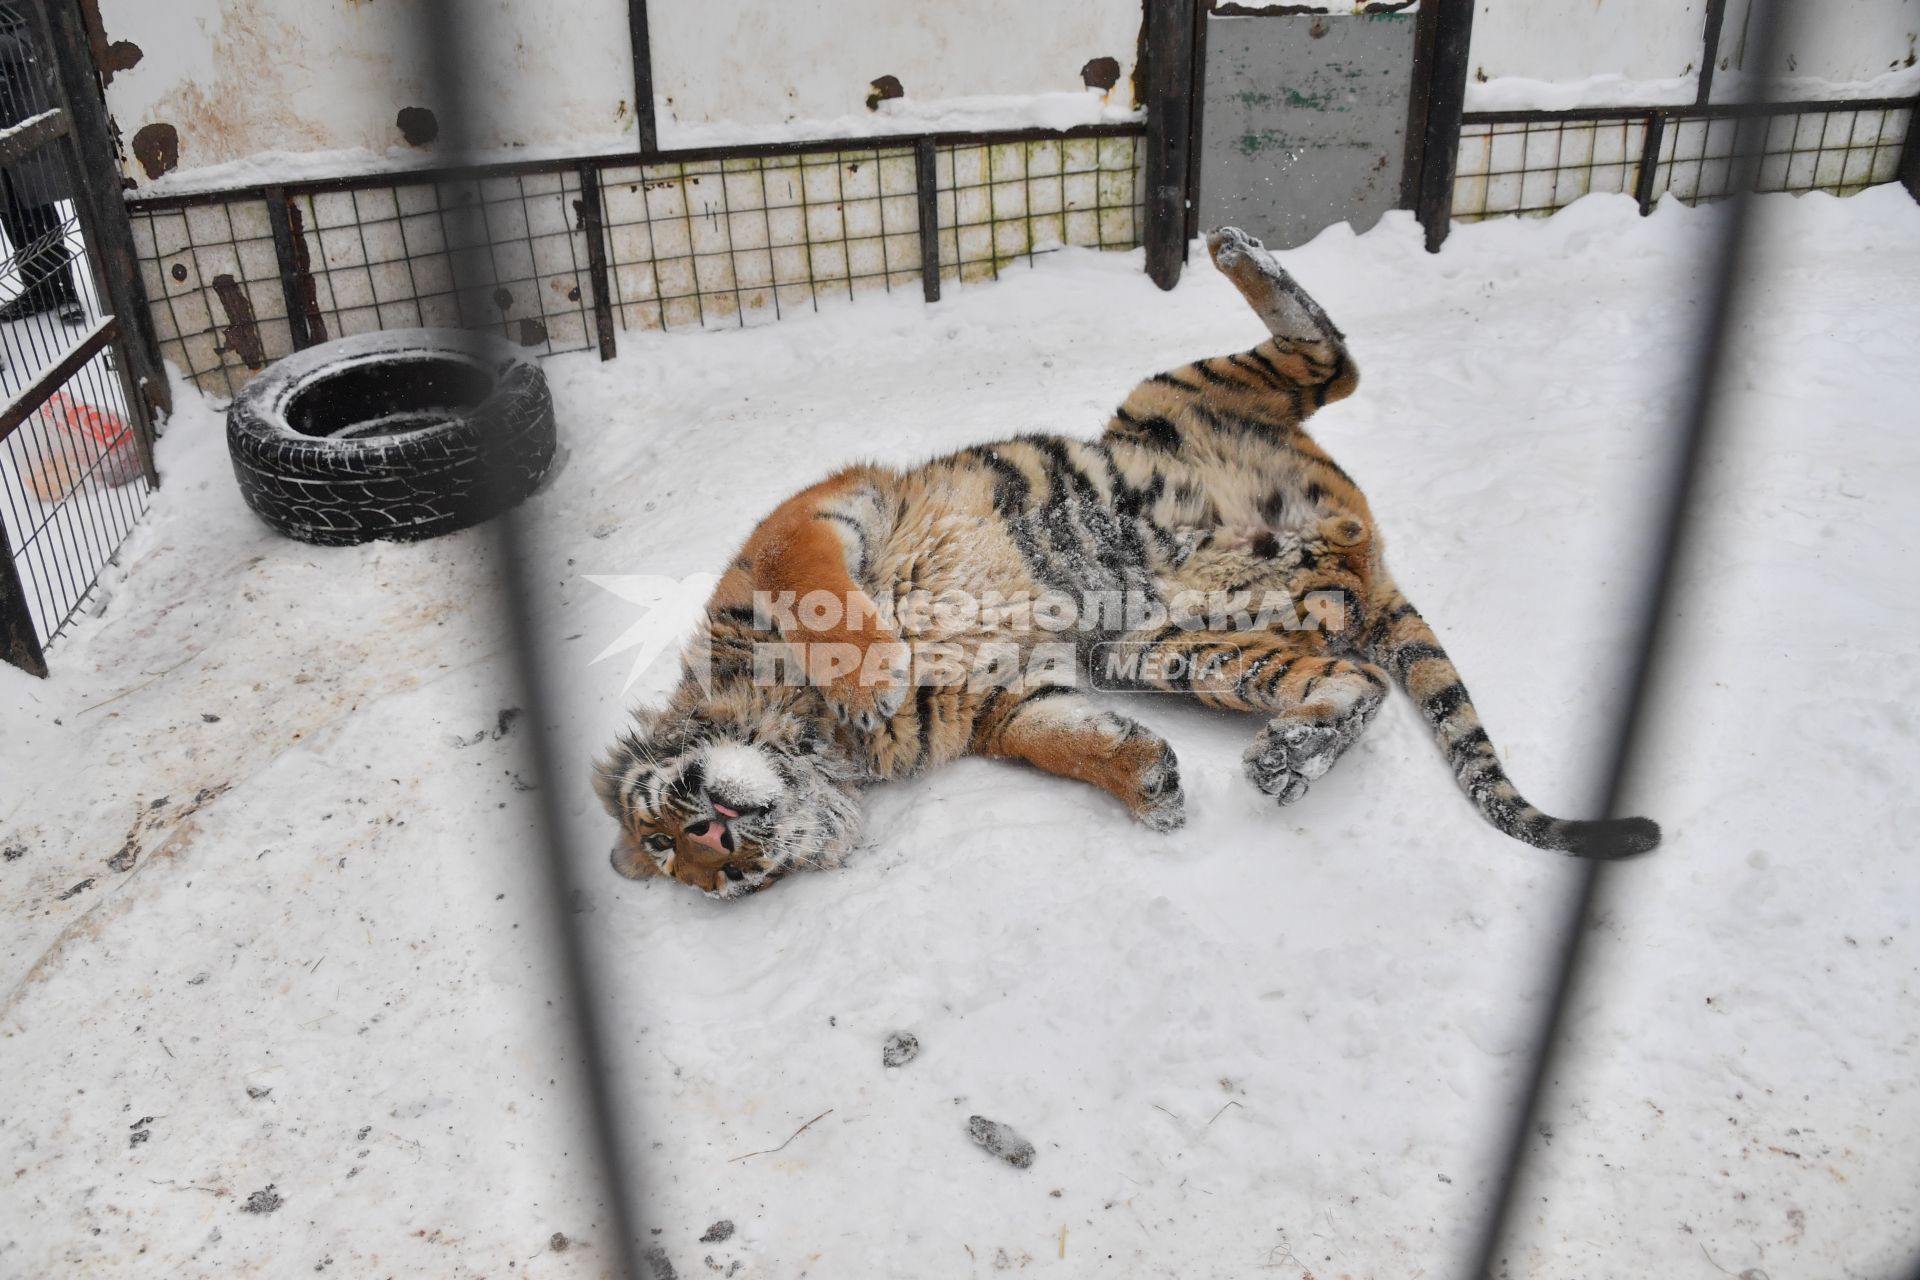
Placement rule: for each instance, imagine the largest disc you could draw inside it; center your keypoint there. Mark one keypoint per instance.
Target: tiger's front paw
(874, 690)
(1159, 803)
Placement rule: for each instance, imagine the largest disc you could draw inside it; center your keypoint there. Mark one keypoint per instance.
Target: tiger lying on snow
(1203, 479)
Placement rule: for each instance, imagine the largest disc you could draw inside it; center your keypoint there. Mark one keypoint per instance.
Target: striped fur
(1204, 481)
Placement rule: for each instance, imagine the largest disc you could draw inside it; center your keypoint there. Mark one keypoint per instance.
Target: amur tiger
(814, 674)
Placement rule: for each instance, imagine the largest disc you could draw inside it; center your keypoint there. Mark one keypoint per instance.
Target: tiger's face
(727, 805)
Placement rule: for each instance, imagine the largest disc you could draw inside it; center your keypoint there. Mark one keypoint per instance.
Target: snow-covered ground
(279, 1000)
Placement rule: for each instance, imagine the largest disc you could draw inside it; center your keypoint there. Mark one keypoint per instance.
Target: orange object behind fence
(73, 437)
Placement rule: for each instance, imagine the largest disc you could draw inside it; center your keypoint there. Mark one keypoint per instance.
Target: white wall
(266, 89)
(758, 68)
(1591, 53)
(327, 78)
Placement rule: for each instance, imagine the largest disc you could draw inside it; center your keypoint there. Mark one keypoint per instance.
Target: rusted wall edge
(619, 160)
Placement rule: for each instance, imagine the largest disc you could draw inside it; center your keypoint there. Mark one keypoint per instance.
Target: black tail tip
(1611, 838)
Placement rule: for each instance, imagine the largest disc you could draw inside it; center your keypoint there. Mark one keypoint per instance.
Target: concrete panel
(1305, 122)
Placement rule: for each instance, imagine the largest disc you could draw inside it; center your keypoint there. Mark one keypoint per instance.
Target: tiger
(809, 680)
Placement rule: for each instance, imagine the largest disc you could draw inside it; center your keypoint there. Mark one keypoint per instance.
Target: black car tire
(402, 435)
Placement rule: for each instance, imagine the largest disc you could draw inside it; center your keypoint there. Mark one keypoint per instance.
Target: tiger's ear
(632, 861)
(607, 773)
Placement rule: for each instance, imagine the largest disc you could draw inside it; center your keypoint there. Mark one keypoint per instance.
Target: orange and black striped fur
(1203, 481)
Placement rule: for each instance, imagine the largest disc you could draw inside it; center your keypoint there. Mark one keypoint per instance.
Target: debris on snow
(1001, 1140)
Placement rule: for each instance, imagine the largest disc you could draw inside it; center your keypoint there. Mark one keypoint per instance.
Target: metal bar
(1446, 98)
(104, 224)
(642, 39)
(1910, 155)
(1425, 30)
(1649, 162)
(19, 642)
(1674, 517)
(1710, 50)
(279, 219)
(1196, 123)
(437, 24)
(926, 179)
(1170, 26)
(50, 379)
(593, 222)
(23, 139)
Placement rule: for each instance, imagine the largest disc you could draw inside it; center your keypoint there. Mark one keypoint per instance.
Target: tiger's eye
(660, 843)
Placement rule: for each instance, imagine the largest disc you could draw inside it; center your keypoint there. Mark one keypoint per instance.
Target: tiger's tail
(1402, 642)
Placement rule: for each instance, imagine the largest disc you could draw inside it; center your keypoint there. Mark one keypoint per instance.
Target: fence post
(593, 223)
(1446, 96)
(926, 184)
(19, 643)
(103, 212)
(1649, 162)
(1910, 155)
(1170, 28)
(642, 40)
(1710, 49)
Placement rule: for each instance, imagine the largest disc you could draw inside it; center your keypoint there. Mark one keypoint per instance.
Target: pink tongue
(724, 812)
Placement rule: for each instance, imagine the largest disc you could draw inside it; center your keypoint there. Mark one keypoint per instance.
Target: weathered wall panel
(305, 87)
(757, 69)
(1305, 122)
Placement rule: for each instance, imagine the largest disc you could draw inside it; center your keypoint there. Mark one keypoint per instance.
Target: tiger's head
(728, 799)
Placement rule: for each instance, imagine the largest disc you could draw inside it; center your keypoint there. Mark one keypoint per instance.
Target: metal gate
(76, 433)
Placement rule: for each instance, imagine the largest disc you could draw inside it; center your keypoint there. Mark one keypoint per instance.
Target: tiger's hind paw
(1289, 754)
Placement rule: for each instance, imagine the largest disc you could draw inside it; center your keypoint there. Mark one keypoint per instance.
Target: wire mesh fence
(74, 469)
(1537, 162)
(721, 239)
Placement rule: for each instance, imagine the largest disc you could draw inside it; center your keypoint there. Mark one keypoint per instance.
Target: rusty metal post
(593, 223)
(642, 40)
(19, 642)
(1170, 31)
(1910, 155)
(1446, 85)
(1710, 49)
(925, 176)
(96, 197)
(279, 219)
(1649, 162)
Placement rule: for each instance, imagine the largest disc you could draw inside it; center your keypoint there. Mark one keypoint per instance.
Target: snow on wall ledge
(1516, 93)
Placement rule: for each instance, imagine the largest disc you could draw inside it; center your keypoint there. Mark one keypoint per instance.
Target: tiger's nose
(711, 833)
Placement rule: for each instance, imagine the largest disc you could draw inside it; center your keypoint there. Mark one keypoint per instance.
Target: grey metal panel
(1305, 121)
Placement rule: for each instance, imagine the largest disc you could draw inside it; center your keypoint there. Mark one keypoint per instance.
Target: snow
(900, 116)
(1275, 1040)
(1517, 93)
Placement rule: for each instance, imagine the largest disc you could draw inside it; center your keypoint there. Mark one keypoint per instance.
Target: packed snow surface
(280, 1000)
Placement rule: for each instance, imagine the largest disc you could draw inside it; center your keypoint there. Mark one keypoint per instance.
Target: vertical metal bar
(593, 222)
(1426, 30)
(1710, 49)
(278, 219)
(1169, 135)
(926, 177)
(1649, 162)
(1673, 518)
(1196, 124)
(642, 75)
(1910, 154)
(104, 224)
(19, 642)
(1446, 102)
(437, 24)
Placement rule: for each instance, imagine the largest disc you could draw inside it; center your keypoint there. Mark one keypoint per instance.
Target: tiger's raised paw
(1290, 753)
(872, 695)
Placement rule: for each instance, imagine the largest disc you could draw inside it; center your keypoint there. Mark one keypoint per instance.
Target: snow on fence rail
(732, 236)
